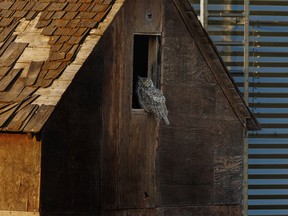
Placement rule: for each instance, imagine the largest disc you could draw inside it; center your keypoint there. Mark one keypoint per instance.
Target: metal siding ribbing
(268, 91)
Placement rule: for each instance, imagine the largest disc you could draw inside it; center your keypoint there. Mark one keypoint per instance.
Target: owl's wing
(158, 101)
(156, 95)
(152, 100)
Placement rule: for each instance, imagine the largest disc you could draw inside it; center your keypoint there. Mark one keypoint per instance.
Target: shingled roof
(43, 44)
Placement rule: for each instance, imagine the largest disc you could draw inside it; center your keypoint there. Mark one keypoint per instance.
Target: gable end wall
(200, 153)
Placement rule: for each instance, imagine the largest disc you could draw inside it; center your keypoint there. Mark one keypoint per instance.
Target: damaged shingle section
(31, 84)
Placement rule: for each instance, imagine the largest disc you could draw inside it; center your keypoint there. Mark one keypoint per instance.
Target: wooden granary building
(73, 139)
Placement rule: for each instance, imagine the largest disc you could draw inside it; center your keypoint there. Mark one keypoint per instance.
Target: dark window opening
(145, 62)
(140, 64)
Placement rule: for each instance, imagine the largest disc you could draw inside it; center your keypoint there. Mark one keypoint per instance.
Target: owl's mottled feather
(152, 99)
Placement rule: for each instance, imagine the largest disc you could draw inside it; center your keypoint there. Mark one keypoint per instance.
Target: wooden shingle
(63, 25)
(7, 43)
(22, 106)
(12, 53)
(100, 7)
(28, 100)
(31, 15)
(84, 7)
(29, 6)
(40, 6)
(39, 118)
(85, 1)
(75, 40)
(53, 40)
(87, 23)
(49, 30)
(20, 13)
(63, 39)
(73, 7)
(85, 15)
(8, 30)
(26, 92)
(46, 15)
(6, 21)
(14, 91)
(60, 22)
(56, 47)
(70, 15)
(41, 82)
(73, 23)
(51, 65)
(33, 72)
(21, 118)
(56, 6)
(65, 31)
(81, 32)
(6, 113)
(53, 74)
(65, 47)
(18, 5)
(58, 14)
(43, 23)
(5, 5)
(99, 16)
(106, 2)
(54, 56)
(6, 81)
(3, 105)
(7, 107)
(71, 53)
(3, 71)
(7, 13)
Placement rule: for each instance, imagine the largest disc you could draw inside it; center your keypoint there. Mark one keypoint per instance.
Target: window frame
(153, 64)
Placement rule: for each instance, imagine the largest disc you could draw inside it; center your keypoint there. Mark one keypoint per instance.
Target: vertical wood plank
(137, 163)
(128, 141)
(199, 164)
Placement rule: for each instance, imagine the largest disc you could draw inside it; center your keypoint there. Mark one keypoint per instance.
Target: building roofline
(216, 64)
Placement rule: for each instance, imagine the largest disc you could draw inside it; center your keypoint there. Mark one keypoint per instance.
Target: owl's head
(145, 82)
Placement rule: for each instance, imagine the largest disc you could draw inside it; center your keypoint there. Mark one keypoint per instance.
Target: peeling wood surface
(19, 176)
(38, 44)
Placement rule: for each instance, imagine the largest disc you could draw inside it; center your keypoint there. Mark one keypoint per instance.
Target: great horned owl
(152, 99)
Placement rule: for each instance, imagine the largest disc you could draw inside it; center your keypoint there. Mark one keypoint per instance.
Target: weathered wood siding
(200, 154)
(129, 138)
(97, 152)
(101, 155)
(70, 182)
(19, 174)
